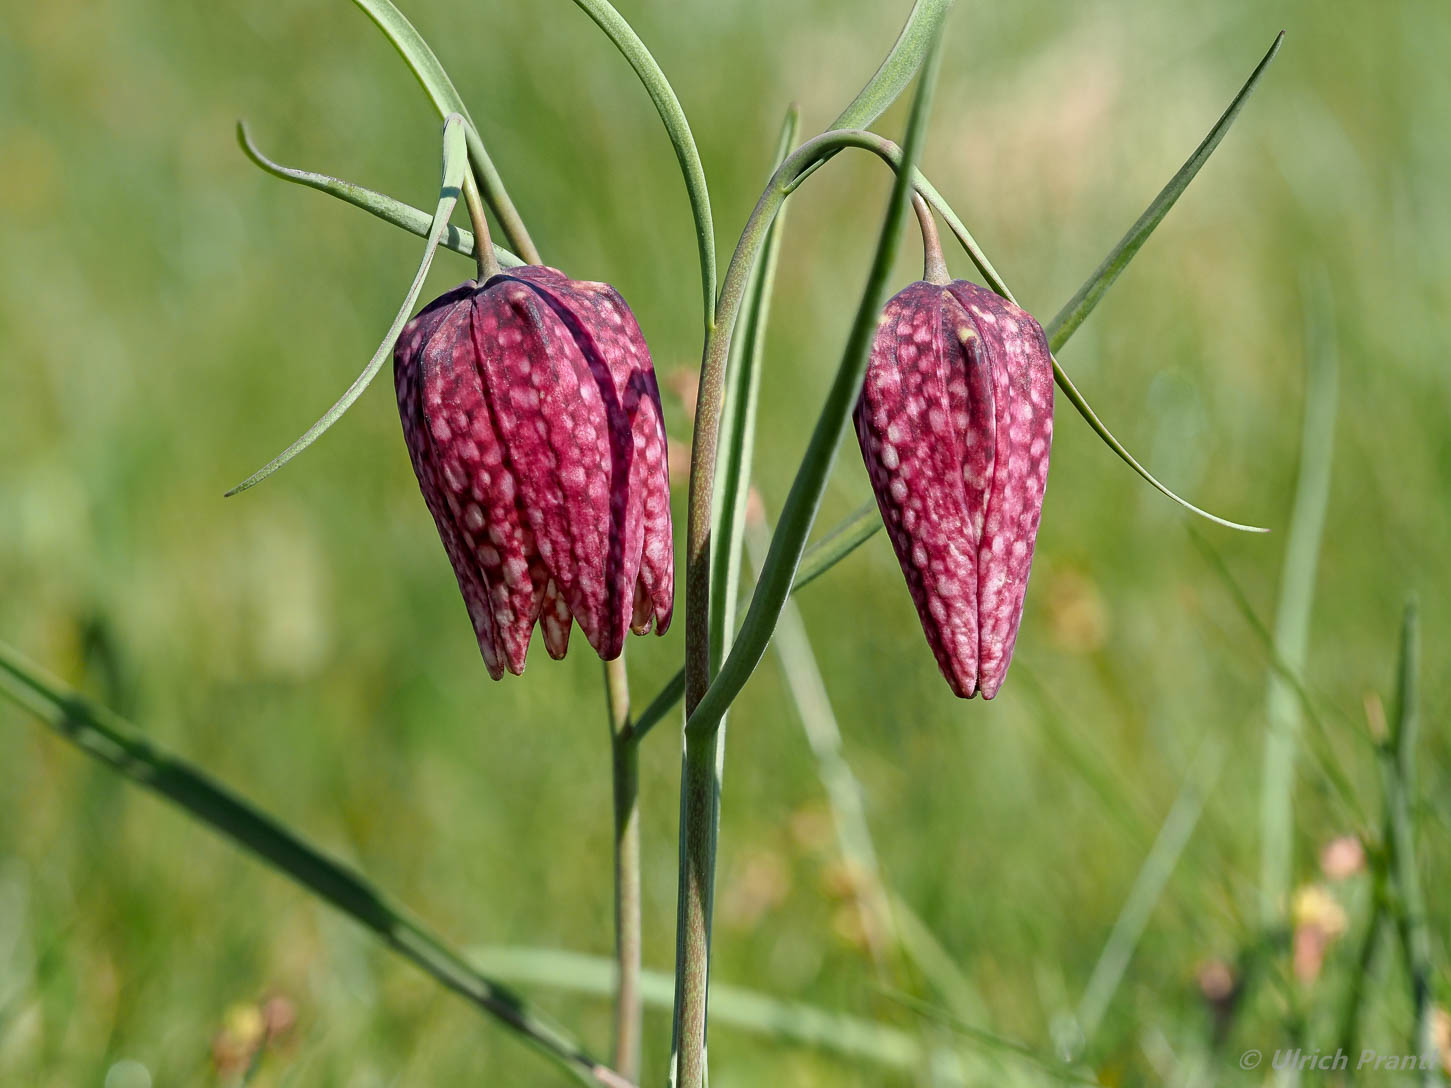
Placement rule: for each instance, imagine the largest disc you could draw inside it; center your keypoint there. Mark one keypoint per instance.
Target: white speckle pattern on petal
(955, 424)
(533, 421)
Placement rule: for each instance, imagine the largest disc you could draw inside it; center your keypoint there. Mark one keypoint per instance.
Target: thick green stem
(625, 762)
(699, 808)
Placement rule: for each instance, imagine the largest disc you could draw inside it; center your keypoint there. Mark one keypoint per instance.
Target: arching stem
(484, 257)
(934, 265)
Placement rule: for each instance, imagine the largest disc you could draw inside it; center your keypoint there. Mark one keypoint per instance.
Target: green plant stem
(625, 765)
(114, 742)
(699, 803)
(484, 259)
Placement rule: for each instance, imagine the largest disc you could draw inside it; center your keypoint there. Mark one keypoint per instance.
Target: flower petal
(548, 406)
(1022, 378)
(914, 457)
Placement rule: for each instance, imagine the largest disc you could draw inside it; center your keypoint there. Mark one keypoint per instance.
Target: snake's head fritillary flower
(955, 421)
(533, 421)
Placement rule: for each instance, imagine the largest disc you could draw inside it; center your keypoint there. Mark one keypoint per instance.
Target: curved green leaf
(429, 71)
(921, 29)
(668, 106)
(1079, 402)
(1077, 309)
(454, 164)
(414, 220)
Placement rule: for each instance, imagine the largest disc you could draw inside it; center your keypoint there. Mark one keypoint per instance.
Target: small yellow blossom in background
(1319, 920)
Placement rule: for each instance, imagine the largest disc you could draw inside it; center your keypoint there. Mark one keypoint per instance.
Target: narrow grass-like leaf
(749, 1010)
(661, 705)
(799, 513)
(894, 74)
(838, 542)
(429, 71)
(1077, 309)
(922, 28)
(1297, 594)
(738, 425)
(453, 175)
(1147, 888)
(668, 106)
(841, 1034)
(118, 745)
(1078, 401)
(1400, 797)
(413, 220)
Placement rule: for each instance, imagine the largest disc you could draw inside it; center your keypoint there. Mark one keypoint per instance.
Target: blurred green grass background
(172, 317)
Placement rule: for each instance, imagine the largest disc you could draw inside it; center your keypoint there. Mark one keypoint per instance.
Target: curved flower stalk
(955, 422)
(533, 421)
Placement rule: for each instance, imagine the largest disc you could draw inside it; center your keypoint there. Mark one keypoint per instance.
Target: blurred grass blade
(117, 744)
(835, 1033)
(812, 701)
(1083, 755)
(1320, 748)
(430, 73)
(1077, 309)
(453, 176)
(1148, 887)
(737, 435)
(1297, 594)
(1046, 1064)
(414, 220)
(1409, 902)
(936, 963)
(676, 124)
(799, 513)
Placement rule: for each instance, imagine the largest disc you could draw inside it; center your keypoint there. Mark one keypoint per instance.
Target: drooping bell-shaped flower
(533, 421)
(955, 422)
